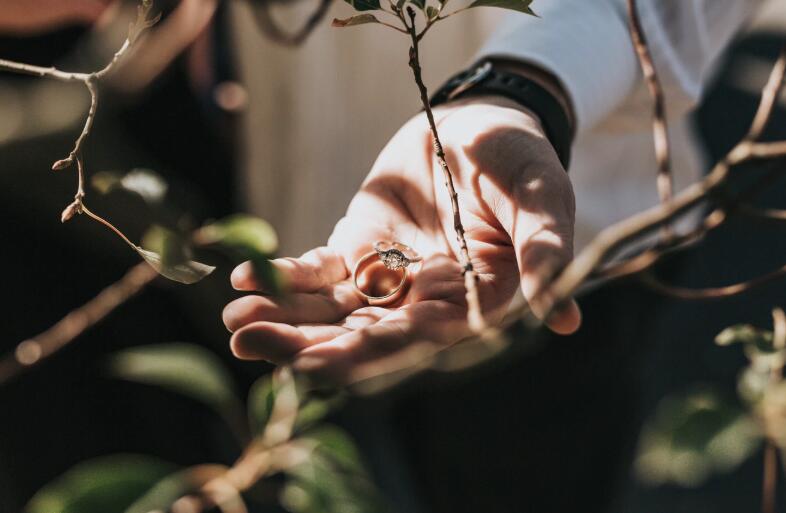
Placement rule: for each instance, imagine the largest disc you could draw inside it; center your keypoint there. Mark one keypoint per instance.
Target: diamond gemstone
(394, 259)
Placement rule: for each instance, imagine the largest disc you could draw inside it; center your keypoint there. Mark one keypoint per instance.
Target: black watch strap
(484, 79)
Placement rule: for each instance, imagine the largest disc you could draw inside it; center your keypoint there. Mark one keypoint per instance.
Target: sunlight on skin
(518, 209)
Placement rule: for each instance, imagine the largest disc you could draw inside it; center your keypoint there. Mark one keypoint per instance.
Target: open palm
(517, 208)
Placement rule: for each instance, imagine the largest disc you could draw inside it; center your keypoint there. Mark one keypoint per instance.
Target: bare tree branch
(34, 350)
(665, 179)
(710, 293)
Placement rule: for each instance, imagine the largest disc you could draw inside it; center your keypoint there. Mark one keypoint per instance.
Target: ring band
(388, 298)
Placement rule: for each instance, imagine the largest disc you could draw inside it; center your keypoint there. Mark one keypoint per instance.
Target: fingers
(314, 270)
(402, 339)
(279, 343)
(541, 229)
(331, 304)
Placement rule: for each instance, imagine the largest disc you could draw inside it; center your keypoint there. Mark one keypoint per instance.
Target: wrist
(544, 79)
(532, 89)
(498, 101)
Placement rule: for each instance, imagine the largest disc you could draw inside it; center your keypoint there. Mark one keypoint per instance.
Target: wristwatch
(485, 79)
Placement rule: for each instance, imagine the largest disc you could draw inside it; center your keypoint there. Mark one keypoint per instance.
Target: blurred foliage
(186, 369)
(104, 485)
(284, 412)
(702, 433)
(249, 238)
(332, 480)
(693, 437)
(170, 250)
(312, 409)
(146, 183)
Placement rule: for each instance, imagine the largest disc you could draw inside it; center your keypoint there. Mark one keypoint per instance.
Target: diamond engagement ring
(381, 275)
(395, 255)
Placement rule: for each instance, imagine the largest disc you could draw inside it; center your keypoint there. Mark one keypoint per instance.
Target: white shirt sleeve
(587, 46)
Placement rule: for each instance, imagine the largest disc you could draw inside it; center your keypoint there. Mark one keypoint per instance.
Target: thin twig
(769, 481)
(613, 237)
(475, 318)
(90, 81)
(36, 349)
(665, 179)
(765, 214)
(710, 293)
(769, 98)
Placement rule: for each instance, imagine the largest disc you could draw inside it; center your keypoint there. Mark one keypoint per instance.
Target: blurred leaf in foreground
(247, 238)
(146, 183)
(311, 410)
(333, 479)
(174, 486)
(694, 436)
(183, 368)
(103, 485)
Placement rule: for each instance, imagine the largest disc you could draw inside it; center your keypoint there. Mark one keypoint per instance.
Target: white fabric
(586, 45)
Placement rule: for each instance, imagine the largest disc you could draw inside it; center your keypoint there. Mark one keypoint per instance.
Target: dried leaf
(360, 19)
(187, 272)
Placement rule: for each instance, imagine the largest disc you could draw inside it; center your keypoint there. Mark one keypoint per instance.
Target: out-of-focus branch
(271, 29)
(710, 293)
(665, 179)
(90, 81)
(34, 350)
(612, 238)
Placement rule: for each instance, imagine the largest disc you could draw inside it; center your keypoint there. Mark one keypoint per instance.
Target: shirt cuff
(584, 44)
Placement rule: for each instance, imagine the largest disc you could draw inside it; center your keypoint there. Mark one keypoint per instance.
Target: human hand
(517, 208)
(25, 17)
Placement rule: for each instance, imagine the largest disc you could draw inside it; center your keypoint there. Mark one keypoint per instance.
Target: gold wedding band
(395, 257)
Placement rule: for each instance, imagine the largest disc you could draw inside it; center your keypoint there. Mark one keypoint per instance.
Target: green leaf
(163, 494)
(364, 5)
(262, 397)
(420, 4)
(431, 12)
(338, 446)
(146, 183)
(187, 272)
(183, 368)
(332, 479)
(170, 245)
(241, 232)
(104, 485)
(360, 19)
(248, 238)
(515, 5)
(695, 436)
(747, 335)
